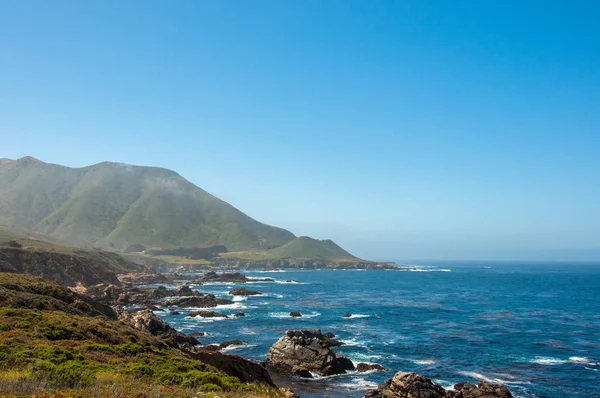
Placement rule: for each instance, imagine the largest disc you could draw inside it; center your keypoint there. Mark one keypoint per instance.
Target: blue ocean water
(533, 327)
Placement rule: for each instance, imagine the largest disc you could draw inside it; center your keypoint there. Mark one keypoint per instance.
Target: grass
(69, 349)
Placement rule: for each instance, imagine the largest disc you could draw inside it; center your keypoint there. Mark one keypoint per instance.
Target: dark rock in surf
(483, 389)
(202, 301)
(295, 314)
(412, 385)
(244, 292)
(239, 314)
(366, 367)
(207, 314)
(301, 352)
(347, 315)
(232, 342)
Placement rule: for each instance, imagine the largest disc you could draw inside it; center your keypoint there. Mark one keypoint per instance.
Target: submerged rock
(244, 292)
(412, 385)
(365, 367)
(239, 314)
(232, 342)
(301, 352)
(207, 314)
(295, 314)
(347, 315)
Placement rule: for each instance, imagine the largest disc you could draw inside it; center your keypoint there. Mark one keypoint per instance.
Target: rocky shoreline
(297, 354)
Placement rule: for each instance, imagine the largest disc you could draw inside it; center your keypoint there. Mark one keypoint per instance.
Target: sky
(402, 130)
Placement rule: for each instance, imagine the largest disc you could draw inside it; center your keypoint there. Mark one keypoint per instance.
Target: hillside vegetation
(115, 206)
(54, 342)
(301, 248)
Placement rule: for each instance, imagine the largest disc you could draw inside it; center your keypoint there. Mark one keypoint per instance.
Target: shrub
(56, 354)
(73, 374)
(210, 387)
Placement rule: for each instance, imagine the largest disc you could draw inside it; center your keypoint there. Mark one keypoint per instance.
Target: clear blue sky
(400, 129)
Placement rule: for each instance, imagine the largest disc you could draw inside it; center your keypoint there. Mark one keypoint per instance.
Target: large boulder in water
(412, 385)
(301, 352)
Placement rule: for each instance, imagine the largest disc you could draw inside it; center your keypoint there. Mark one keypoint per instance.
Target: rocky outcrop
(232, 343)
(234, 365)
(231, 277)
(184, 290)
(79, 267)
(301, 352)
(201, 301)
(481, 390)
(207, 314)
(244, 292)
(148, 321)
(366, 367)
(412, 385)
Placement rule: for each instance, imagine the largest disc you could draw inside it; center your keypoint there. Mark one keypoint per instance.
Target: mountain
(305, 247)
(114, 206)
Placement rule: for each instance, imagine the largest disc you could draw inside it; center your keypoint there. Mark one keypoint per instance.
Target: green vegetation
(71, 349)
(301, 248)
(114, 206)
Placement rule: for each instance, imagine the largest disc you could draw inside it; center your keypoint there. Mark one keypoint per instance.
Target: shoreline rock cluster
(412, 385)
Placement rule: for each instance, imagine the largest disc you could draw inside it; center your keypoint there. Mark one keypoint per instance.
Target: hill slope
(305, 247)
(114, 205)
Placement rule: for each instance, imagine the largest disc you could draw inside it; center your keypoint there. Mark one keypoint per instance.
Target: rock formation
(147, 320)
(412, 385)
(301, 352)
(244, 292)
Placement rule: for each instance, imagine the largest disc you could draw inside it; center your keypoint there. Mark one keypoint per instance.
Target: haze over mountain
(113, 205)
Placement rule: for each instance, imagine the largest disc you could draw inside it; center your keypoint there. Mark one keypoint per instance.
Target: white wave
(366, 358)
(491, 379)
(595, 370)
(354, 343)
(427, 270)
(236, 306)
(359, 316)
(287, 315)
(239, 298)
(547, 361)
(234, 347)
(248, 331)
(584, 360)
(267, 271)
(358, 384)
(423, 361)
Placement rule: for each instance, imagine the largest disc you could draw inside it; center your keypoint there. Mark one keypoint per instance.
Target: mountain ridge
(113, 205)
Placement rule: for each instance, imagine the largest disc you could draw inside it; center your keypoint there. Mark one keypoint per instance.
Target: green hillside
(113, 206)
(305, 247)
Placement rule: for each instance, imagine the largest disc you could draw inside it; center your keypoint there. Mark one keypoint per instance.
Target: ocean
(532, 327)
